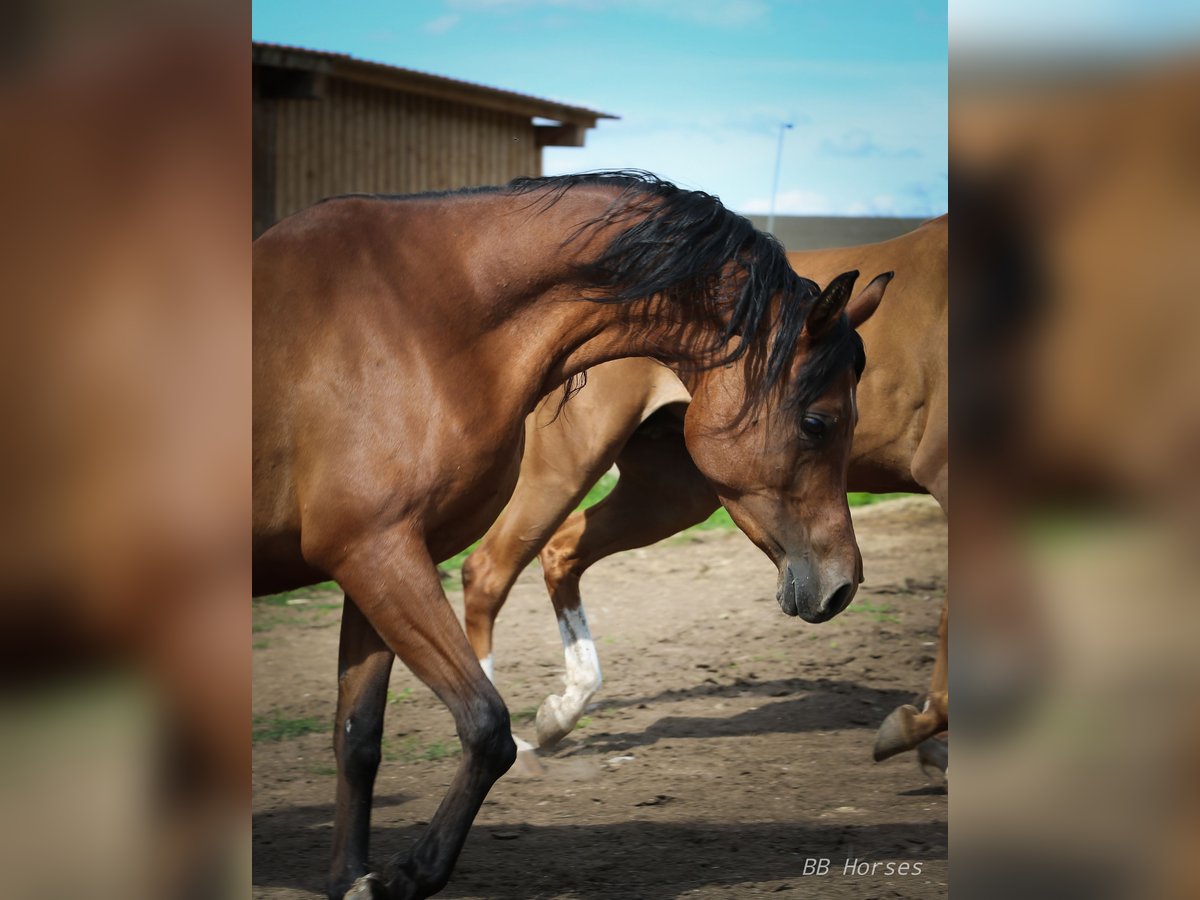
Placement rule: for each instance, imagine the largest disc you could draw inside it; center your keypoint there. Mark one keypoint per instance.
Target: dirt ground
(729, 745)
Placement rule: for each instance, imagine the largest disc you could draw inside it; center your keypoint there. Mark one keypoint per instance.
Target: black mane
(686, 248)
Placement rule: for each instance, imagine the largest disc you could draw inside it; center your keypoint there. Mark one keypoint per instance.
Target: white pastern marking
(579, 650)
(489, 668)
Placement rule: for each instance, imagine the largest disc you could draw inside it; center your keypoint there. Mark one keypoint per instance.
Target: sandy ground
(729, 746)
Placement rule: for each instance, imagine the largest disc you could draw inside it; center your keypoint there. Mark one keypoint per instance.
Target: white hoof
(555, 720)
(369, 887)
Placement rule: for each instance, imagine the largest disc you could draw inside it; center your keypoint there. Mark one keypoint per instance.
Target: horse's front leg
(396, 587)
(364, 665)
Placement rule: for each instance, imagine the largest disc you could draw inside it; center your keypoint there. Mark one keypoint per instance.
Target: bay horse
(400, 342)
(631, 415)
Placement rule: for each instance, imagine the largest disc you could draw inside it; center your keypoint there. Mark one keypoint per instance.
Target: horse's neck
(555, 333)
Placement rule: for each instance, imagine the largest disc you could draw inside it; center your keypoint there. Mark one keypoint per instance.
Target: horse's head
(780, 467)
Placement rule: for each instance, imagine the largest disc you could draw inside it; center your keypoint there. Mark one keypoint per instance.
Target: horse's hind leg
(659, 493)
(364, 664)
(396, 587)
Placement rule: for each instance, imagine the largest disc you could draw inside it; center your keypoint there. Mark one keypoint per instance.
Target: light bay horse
(399, 344)
(632, 413)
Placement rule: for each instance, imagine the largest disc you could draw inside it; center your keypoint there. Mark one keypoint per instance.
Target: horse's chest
(474, 489)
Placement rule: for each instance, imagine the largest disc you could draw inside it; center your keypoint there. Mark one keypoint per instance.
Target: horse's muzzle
(801, 592)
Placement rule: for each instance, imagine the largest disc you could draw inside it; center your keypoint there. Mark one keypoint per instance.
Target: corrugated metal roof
(346, 66)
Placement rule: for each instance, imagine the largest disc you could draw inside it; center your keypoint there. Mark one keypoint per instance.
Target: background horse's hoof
(897, 733)
(369, 887)
(553, 724)
(934, 753)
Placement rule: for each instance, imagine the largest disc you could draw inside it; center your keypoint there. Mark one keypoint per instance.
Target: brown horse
(631, 414)
(399, 344)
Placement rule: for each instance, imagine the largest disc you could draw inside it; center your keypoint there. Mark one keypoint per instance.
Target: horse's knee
(486, 736)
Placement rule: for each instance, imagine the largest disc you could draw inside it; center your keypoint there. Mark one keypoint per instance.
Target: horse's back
(903, 396)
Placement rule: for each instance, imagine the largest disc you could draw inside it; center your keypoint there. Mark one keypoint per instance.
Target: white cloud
(815, 203)
(442, 24)
(793, 203)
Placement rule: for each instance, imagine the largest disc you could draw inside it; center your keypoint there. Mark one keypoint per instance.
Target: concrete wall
(819, 232)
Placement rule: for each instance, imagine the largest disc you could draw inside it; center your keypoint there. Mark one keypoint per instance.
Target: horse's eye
(814, 426)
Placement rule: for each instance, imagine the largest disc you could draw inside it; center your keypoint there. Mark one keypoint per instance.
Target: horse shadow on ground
(777, 687)
(820, 705)
(630, 859)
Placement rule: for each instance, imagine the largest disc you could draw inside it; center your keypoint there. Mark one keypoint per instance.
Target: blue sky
(701, 86)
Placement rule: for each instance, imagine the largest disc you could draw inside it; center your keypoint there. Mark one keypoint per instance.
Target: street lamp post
(783, 126)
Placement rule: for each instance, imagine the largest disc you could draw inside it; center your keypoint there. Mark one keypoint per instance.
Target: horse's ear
(829, 305)
(867, 301)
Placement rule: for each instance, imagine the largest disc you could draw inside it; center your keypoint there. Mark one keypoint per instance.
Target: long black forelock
(686, 248)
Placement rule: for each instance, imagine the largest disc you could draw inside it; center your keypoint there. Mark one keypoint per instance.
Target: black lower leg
(364, 666)
(488, 752)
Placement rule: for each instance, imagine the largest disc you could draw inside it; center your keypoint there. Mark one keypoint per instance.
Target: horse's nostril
(840, 599)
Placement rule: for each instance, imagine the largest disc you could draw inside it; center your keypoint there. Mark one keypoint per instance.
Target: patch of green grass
(599, 490)
(440, 750)
(261, 645)
(583, 723)
(322, 770)
(411, 749)
(394, 697)
(878, 612)
(278, 727)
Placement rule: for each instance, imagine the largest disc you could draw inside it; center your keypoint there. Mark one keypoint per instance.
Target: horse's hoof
(896, 734)
(552, 724)
(369, 887)
(934, 753)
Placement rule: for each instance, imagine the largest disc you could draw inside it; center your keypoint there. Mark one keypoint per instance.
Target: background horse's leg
(931, 752)
(395, 585)
(908, 727)
(544, 496)
(660, 492)
(364, 665)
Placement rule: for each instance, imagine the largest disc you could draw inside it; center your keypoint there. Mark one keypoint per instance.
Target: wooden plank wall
(363, 138)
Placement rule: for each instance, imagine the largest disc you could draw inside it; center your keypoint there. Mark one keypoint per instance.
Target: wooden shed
(328, 124)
